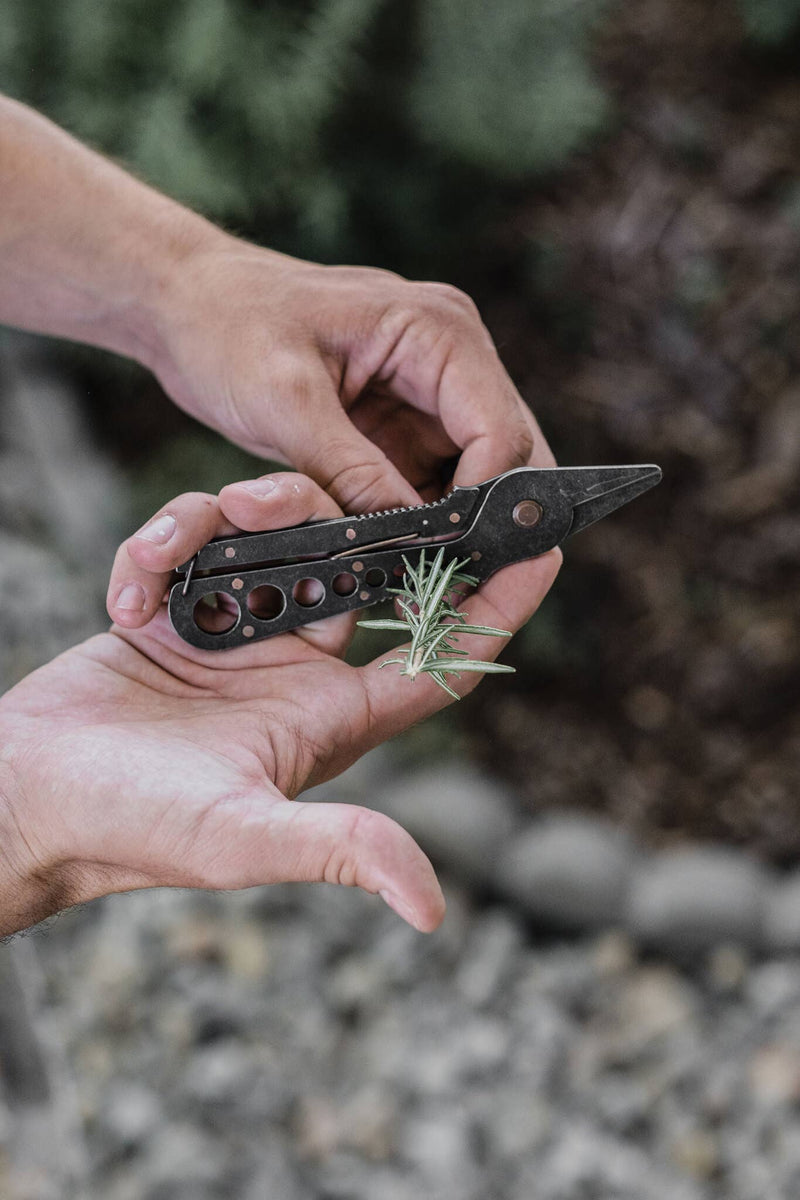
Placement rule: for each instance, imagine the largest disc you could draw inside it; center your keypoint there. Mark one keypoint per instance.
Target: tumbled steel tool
(253, 585)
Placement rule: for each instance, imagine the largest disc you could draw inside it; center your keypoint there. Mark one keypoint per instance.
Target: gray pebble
(180, 1155)
(459, 817)
(685, 901)
(129, 1114)
(782, 914)
(489, 956)
(568, 872)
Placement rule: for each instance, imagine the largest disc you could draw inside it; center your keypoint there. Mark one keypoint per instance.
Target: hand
(135, 760)
(361, 379)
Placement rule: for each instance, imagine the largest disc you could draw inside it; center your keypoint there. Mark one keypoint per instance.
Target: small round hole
(308, 593)
(266, 602)
(399, 570)
(375, 577)
(344, 584)
(216, 612)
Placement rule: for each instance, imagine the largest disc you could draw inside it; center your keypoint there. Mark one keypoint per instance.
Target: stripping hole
(344, 584)
(375, 577)
(216, 612)
(308, 593)
(266, 602)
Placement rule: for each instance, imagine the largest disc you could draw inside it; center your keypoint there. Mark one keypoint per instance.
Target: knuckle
(345, 863)
(449, 298)
(199, 502)
(523, 443)
(351, 483)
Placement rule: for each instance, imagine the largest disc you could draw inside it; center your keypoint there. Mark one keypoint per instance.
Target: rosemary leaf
(433, 622)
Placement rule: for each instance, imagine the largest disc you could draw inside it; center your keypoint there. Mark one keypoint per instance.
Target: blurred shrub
(342, 128)
(771, 22)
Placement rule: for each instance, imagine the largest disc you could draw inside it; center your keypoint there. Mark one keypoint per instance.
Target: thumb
(305, 842)
(323, 442)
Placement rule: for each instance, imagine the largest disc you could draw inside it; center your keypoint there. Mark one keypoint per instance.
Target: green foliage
(506, 86)
(771, 22)
(352, 129)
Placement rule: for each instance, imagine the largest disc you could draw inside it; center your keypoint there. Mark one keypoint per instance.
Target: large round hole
(266, 602)
(375, 577)
(308, 593)
(216, 612)
(344, 584)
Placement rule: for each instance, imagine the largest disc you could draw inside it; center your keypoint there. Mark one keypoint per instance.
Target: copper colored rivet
(455, 518)
(229, 551)
(248, 631)
(527, 513)
(237, 583)
(350, 534)
(358, 566)
(476, 554)
(364, 595)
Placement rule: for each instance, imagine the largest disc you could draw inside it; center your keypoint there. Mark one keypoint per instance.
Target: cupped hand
(135, 760)
(367, 382)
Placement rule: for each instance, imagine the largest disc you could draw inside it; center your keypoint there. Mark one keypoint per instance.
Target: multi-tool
(238, 589)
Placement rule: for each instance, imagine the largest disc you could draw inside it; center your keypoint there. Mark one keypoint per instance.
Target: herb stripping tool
(239, 589)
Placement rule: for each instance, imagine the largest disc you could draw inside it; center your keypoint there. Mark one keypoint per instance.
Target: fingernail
(131, 598)
(159, 530)
(402, 909)
(259, 487)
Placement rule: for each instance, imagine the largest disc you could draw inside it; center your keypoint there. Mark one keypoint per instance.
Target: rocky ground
(610, 1011)
(592, 1020)
(301, 1042)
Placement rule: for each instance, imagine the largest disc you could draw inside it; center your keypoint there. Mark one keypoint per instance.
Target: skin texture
(131, 761)
(367, 382)
(135, 760)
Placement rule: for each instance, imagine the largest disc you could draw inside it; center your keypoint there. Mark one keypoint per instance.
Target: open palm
(137, 761)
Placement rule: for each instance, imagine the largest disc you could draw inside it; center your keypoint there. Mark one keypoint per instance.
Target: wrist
(200, 304)
(138, 319)
(29, 890)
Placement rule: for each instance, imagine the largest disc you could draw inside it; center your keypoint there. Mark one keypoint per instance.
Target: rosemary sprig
(433, 622)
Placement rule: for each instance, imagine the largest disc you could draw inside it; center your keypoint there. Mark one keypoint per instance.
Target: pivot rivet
(527, 513)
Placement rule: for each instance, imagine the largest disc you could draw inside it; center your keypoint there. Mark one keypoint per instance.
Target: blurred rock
(689, 900)
(46, 606)
(489, 956)
(459, 817)
(569, 872)
(181, 1156)
(68, 489)
(437, 1141)
(585, 1162)
(276, 1175)
(128, 1116)
(220, 1073)
(782, 914)
(774, 1074)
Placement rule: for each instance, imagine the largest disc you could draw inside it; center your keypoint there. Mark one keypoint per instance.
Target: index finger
(446, 364)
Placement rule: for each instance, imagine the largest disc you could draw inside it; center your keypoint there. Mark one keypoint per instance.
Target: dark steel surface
(478, 523)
